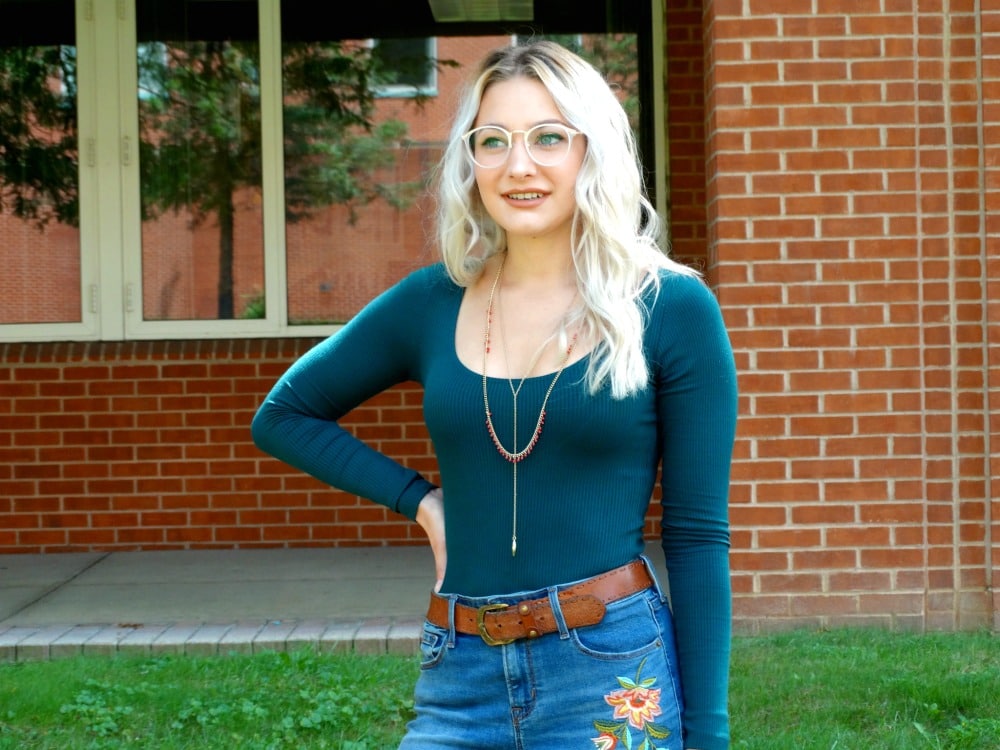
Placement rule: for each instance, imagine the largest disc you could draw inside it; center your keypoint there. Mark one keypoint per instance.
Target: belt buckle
(481, 625)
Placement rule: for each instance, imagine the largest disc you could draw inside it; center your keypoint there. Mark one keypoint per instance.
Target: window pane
(407, 65)
(357, 168)
(39, 157)
(200, 165)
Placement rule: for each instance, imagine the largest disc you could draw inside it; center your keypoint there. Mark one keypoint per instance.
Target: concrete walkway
(370, 599)
(213, 602)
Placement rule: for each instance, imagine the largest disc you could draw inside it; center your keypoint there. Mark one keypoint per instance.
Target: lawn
(836, 690)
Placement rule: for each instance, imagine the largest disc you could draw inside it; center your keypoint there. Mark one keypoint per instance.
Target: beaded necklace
(515, 456)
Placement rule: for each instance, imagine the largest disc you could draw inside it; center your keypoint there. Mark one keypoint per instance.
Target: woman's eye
(549, 138)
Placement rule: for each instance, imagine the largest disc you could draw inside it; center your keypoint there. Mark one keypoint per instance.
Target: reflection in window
(616, 56)
(408, 66)
(39, 159)
(352, 173)
(200, 164)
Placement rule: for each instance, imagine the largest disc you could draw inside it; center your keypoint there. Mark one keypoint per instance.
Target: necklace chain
(515, 456)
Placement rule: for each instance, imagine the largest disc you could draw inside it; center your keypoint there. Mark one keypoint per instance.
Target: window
(408, 65)
(356, 168)
(228, 168)
(44, 277)
(199, 153)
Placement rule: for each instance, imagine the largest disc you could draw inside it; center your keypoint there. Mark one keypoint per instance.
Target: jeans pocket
(629, 629)
(433, 642)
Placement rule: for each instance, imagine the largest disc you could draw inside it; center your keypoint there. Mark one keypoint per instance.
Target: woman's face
(528, 200)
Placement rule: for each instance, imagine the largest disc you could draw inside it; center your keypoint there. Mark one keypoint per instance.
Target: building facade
(836, 173)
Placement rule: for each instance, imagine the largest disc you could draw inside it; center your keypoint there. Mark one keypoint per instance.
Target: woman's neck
(538, 264)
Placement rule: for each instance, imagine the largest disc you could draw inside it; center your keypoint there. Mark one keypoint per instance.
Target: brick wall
(147, 445)
(847, 213)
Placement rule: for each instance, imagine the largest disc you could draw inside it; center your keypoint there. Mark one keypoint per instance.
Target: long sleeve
(697, 404)
(297, 422)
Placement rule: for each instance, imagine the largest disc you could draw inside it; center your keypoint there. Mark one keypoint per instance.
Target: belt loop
(664, 597)
(451, 619)
(557, 612)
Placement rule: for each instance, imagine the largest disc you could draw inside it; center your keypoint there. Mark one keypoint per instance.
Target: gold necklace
(515, 456)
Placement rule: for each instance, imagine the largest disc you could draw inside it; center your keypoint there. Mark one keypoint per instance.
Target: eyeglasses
(547, 144)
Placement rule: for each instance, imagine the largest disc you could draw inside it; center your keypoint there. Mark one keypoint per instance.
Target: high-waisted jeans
(577, 688)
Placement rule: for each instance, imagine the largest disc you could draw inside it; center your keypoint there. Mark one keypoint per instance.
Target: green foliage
(201, 141)
(39, 152)
(98, 708)
(255, 307)
(200, 123)
(268, 701)
(202, 126)
(616, 57)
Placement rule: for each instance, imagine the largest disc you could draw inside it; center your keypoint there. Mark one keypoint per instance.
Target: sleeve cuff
(410, 497)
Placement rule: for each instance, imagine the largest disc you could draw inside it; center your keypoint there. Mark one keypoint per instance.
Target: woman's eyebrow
(552, 121)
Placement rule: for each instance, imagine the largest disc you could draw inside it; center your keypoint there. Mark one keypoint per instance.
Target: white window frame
(89, 325)
(136, 327)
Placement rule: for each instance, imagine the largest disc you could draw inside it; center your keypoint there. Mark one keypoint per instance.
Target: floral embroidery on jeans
(635, 705)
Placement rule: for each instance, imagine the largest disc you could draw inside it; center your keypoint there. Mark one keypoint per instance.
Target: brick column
(990, 55)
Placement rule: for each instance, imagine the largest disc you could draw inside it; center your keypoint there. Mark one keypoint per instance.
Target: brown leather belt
(582, 604)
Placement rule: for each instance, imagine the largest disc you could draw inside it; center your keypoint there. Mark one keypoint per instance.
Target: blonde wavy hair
(616, 231)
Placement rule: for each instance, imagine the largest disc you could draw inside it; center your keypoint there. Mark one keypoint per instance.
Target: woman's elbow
(261, 427)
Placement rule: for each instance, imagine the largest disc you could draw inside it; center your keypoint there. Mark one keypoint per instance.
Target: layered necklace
(515, 455)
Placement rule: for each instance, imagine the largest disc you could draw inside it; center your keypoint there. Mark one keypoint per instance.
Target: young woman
(565, 360)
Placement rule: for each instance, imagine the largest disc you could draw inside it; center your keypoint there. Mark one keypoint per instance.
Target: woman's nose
(519, 161)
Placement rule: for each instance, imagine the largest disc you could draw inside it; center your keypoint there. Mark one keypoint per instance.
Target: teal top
(584, 490)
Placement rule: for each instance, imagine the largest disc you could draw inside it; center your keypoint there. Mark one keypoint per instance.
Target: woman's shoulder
(427, 282)
(681, 306)
(678, 289)
(432, 275)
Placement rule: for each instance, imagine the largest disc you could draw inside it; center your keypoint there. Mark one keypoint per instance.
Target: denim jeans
(580, 688)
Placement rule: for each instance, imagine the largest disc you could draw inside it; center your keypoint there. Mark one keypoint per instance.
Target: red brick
(759, 560)
(790, 583)
(789, 538)
(824, 559)
(892, 558)
(824, 604)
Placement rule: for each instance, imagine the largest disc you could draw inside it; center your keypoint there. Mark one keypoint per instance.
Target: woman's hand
(430, 516)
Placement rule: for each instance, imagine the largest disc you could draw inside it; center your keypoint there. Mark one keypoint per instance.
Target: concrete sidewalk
(369, 599)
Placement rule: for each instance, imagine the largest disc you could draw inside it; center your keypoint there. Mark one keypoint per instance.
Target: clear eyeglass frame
(542, 159)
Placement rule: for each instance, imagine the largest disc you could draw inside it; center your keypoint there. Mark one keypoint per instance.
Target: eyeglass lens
(547, 144)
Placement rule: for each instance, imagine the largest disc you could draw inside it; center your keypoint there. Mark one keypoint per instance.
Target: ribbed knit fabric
(584, 490)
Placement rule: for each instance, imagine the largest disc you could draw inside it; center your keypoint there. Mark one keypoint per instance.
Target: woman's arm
(298, 421)
(697, 404)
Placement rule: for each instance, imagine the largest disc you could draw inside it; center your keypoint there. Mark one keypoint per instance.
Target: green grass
(837, 690)
(867, 690)
(238, 702)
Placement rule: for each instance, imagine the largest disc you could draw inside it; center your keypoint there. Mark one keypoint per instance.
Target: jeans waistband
(504, 619)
